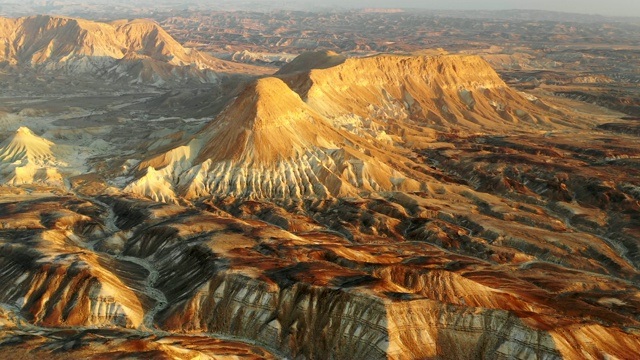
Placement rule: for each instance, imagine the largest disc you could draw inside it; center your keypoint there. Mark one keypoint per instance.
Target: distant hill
(136, 51)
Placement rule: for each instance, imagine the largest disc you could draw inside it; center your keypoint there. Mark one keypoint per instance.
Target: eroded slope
(26, 158)
(269, 144)
(301, 294)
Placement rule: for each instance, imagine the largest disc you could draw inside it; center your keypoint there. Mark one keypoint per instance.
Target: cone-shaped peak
(24, 131)
(269, 103)
(267, 121)
(25, 145)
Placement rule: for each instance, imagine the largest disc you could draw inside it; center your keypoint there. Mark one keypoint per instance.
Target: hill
(26, 158)
(136, 51)
(269, 144)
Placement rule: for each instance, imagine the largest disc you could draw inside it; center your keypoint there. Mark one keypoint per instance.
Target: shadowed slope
(312, 60)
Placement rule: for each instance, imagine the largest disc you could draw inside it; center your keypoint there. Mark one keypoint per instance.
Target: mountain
(269, 144)
(138, 51)
(328, 126)
(384, 207)
(397, 93)
(26, 158)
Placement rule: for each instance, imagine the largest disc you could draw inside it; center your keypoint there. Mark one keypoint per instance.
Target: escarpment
(441, 92)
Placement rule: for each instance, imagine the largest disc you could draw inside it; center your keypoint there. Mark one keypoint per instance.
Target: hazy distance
(627, 8)
(611, 7)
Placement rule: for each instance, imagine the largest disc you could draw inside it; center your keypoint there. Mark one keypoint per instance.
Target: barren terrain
(419, 186)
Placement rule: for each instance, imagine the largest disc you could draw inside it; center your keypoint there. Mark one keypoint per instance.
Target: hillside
(26, 158)
(399, 93)
(269, 144)
(331, 127)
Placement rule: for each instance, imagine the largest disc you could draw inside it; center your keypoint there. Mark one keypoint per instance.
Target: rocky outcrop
(313, 294)
(443, 92)
(96, 344)
(306, 321)
(76, 291)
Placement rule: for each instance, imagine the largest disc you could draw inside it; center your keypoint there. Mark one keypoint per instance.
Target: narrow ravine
(109, 223)
(149, 284)
(150, 290)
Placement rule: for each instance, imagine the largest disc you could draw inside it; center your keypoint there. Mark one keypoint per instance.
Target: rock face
(443, 92)
(137, 51)
(98, 344)
(412, 101)
(53, 282)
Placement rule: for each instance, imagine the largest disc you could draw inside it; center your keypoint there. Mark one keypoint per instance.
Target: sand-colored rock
(303, 295)
(269, 144)
(396, 94)
(137, 51)
(26, 158)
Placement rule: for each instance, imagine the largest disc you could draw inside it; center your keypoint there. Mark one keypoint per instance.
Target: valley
(171, 190)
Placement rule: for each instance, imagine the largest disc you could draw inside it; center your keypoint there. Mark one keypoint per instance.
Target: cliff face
(403, 95)
(314, 322)
(53, 281)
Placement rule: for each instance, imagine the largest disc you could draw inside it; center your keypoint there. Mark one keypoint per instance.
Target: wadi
(157, 201)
